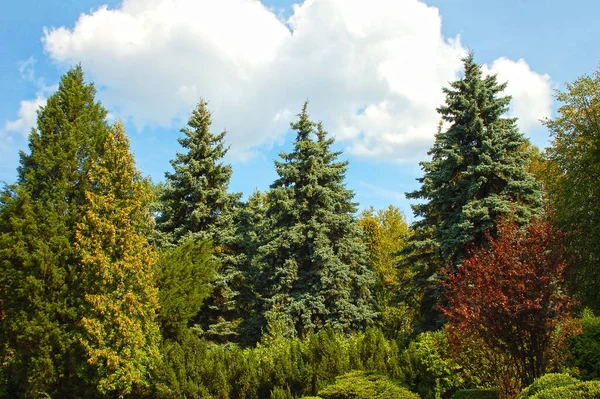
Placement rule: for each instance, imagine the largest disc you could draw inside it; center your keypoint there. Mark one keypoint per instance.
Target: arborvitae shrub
(194, 368)
(372, 351)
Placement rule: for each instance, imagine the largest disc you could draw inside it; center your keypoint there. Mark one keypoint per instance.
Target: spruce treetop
(477, 170)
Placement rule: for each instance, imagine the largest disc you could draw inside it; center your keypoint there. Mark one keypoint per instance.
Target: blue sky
(373, 72)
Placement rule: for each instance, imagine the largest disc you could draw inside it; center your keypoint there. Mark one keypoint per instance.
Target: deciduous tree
(510, 295)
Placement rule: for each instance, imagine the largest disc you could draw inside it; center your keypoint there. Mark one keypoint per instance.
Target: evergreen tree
(39, 265)
(250, 222)
(196, 205)
(120, 333)
(315, 266)
(478, 172)
(185, 277)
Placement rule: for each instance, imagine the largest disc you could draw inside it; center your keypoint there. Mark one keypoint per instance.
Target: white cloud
(27, 116)
(27, 113)
(373, 71)
(531, 92)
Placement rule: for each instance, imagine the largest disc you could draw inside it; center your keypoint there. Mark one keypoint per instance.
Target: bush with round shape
(361, 385)
(582, 390)
(545, 382)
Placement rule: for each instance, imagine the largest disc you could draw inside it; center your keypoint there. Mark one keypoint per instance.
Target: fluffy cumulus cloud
(27, 116)
(373, 71)
(531, 92)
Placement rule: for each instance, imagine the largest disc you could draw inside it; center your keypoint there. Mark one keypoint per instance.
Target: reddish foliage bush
(510, 297)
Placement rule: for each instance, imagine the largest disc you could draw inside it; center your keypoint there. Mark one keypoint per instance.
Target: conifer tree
(477, 173)
(315, 265)
(120, 333)
(40, 283)
(196, 205)
(250, 222)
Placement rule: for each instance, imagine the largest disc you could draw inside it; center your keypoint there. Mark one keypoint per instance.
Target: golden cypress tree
(120, 334)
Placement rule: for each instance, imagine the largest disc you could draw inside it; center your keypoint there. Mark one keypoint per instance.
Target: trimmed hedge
(476, 394)
(361, 385)
(583, 390)
(545, 382)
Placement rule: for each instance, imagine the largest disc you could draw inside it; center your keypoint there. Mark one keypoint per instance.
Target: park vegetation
(112, 286)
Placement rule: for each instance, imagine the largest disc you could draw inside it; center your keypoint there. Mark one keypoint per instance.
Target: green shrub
(361, 385)
(582, 390)
(585, 348)
(284, 368)
(428, 368)
(545, 382)
(476, 394)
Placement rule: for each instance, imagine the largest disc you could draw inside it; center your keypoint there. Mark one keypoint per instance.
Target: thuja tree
(40, 269)
(477, 172)
(315, 265)
(120, 335)
(196, 205)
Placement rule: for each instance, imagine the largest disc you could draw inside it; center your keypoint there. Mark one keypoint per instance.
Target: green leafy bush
(585, 348)
(545, 382)
(583, 390)
(283, 368)
(476, 394)
(428, 368)
(361, 385)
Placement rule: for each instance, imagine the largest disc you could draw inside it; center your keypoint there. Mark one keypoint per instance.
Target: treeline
(111, 286)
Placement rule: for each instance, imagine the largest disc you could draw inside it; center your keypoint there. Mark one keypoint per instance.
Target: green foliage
(314, 265)
(286, 367)
(196, 205)
(585, 348)
(429, 369)
(583, 390)
(385, 232)
(361, 385)
(477, 173)
(476, 394)
(546, 382)
(251, 227)
(575, 181)
(40, 287)
(185, 275)
(120, 335)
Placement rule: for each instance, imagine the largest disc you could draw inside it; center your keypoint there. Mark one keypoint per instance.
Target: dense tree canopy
(574, 184)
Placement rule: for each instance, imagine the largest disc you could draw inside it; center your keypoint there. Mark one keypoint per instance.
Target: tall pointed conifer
(477, 173)
(120, 333)
(196, 204)
(315, 265)
(40, 282)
